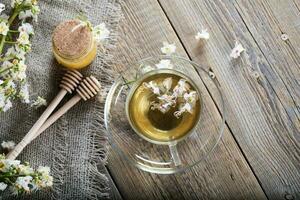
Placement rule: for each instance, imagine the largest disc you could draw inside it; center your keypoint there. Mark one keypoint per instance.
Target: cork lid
(71, 40)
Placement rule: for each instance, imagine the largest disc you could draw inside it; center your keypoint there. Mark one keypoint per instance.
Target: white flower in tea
(167, 84)
(182, 109)
(153, 87)
(237, 50)
(202, 35)
(167, 99)
(162, 107)
(168, 49)
(164, 64)
(100, 32)
(191, 97)
(3, 28)
(9, 145)
(181, 88)
(164, 104)
(189, 103)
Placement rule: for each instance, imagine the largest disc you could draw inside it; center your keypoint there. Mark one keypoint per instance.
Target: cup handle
(175, 155)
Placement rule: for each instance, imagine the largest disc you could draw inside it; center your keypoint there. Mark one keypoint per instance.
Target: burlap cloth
(76, 144)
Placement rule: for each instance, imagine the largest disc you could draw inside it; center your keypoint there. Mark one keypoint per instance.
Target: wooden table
(259, 154)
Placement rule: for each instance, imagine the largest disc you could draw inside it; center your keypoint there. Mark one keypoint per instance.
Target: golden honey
(153, 125)
(77, 63)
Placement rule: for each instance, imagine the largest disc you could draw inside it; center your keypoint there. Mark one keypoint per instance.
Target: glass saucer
(174, 156)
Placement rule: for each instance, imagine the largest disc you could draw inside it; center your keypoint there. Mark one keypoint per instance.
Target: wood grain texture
(264, 110)
(114, 192)
(224, 175)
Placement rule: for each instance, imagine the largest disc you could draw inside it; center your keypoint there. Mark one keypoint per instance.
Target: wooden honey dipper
(68, 84)
(88, 88)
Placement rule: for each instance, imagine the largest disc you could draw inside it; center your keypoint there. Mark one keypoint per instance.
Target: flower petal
(167, 83)
(168, 49)
(202, 35)
(237, 50)
(163, 64)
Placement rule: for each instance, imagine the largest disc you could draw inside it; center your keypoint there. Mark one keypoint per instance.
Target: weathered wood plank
(224, 175)
(263, 111)
(283, 19)
(114, 193)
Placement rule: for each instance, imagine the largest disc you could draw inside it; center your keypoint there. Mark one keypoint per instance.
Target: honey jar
(73, 44)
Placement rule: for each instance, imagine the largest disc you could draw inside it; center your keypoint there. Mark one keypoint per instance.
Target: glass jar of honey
(73, 44)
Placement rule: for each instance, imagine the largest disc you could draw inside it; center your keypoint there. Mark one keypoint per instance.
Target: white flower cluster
(4, 28)
(100, 32)
(12, 63)
(235, 52)
(163, 64)
(32, 11)
(167, 49)
(9, 145)
(167, 97)
(40, 101)
(22, 178)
